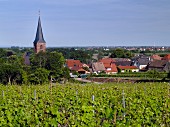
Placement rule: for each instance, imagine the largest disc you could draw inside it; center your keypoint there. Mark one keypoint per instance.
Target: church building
(39, 42)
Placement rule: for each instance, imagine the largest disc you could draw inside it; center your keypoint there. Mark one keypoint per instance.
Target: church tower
(39, 42)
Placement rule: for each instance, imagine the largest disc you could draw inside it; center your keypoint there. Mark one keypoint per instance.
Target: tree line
(47, 65)
(44, 67)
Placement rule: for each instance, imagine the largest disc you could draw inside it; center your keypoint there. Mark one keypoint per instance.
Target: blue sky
(86, 22)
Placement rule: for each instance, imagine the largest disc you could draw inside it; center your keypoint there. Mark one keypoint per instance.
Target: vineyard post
(93, 101)
(35, 94)
(93, 98)
(135, 88)
(51, 84)
(20, 90)
(168, 89)
(145, 90)
(2, 94)
(123, 99)
(6, 88)
(76, 95)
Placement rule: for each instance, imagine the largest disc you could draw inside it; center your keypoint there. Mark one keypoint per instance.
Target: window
(41, 47)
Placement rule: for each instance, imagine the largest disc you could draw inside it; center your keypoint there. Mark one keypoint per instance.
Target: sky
(86, 22)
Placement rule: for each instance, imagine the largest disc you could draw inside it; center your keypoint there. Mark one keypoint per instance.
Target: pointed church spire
(39, 42)
(39, 35)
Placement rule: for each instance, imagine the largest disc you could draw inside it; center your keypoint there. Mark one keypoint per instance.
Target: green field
(145, 104)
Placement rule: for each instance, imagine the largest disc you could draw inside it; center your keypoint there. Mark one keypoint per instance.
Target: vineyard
(91, 105)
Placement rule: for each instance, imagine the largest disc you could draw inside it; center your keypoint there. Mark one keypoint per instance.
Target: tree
(154, 74)
(11, 67)
(100, 55)
(55, 63)
(3, 53)
(80, 55)
(38, 60)
(40, 76)
(118, 53)
(15, 60)
(9, 73)
(52, 61)
(24, 77)
(66, 73)
(121, 53)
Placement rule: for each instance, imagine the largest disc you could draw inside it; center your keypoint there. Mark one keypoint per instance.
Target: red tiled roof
(81, 69)
(166, 57)
(113, 68)
(127, 67)
(76, 68)
(73, 63)
(107, 65)
(107, 60)
(156, 57)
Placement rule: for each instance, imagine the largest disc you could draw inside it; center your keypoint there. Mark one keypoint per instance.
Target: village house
(109, 64)
(76, 65)
(159, 65)
(70, 63)
(98, 67)
(141, 61)
(123, 63)
(155, 57)
(128, 69)
(111, 68)
(107, 60)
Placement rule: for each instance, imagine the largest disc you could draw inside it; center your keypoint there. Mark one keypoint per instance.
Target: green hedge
(135, 74)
